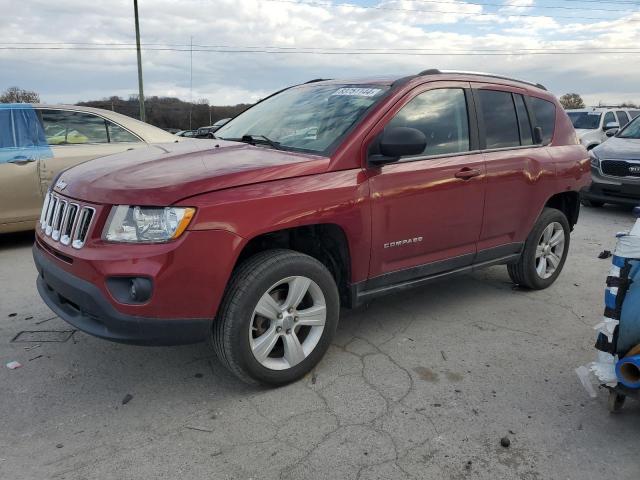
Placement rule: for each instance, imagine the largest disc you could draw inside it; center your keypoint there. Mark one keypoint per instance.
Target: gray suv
(615, 169)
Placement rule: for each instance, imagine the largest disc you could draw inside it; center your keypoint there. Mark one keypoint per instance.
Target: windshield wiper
(260, 140)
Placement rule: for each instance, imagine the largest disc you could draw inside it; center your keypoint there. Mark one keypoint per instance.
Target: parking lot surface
(423, 384)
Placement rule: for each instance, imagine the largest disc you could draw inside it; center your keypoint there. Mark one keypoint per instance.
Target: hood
(163, 174)
(619, 148)
(583, 132)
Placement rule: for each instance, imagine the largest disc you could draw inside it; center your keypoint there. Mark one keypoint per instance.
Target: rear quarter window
(544, 113)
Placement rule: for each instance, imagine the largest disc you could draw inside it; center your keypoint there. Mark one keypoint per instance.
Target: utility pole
(190, 82)
(140, 89)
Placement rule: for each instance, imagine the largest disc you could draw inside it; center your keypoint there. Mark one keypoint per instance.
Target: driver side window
(443, 118)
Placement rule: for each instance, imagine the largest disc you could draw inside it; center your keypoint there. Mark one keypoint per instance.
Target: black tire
(523, 272)
(591, 203)
(254, 277)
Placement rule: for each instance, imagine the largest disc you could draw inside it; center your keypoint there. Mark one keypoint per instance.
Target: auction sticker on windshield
(357, 92)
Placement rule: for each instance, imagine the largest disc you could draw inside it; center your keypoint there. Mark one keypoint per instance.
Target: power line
(464, 14)
(348, 52)
(203, 47)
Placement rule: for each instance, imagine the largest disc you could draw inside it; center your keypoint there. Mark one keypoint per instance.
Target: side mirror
(611, 125)
(399, 142)
(537, 136)
(612, 132)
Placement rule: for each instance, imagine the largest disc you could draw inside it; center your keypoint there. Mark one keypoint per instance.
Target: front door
(22, 146)
(427, 209)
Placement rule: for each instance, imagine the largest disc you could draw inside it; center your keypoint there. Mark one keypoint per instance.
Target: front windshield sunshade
(585, 120)
(309, 118)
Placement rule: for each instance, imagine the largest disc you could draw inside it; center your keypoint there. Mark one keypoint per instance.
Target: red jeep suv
(323, 195)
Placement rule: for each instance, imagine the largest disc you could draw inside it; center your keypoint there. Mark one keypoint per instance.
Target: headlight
(595, 161)
(146, 224)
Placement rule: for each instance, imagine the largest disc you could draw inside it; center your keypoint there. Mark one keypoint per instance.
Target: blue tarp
(629, 328)
(22, 136)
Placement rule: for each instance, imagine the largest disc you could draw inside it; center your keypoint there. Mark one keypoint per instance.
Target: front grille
(64, 221)
(620, 168)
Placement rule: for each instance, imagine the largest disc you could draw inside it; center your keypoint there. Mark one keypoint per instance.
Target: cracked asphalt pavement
(418, 385)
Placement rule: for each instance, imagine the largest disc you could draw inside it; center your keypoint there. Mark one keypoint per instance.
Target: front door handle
(466, 173)
(21, 160)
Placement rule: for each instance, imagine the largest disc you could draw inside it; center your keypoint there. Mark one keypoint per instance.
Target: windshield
(308, 117)
(585, 120)
(632, 130)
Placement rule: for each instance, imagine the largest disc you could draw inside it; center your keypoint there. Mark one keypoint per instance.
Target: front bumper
(611, 190)
(84, 306)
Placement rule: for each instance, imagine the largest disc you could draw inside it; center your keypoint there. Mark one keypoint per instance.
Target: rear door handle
(466, 173)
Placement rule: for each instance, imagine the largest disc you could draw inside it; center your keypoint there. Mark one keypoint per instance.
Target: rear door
(75, 137)
(514, 165)
(427, 209)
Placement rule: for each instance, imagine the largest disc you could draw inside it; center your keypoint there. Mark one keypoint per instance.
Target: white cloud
(65, 75)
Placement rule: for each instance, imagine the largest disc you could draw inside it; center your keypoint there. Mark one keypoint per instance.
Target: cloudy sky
(74, 50)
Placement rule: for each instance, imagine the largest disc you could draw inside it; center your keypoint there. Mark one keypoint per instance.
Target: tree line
(163, 112)
(169, 112)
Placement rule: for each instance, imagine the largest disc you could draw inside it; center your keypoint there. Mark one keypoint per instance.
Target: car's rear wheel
(278, 317)
(591, 203)
(545, 252)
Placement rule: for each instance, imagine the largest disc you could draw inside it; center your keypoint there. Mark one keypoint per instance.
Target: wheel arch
(568, 203)
(326, 242)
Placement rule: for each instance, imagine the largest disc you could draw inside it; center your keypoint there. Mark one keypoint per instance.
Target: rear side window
(622, 118)
(526, 136)
(634, 113)
(544, 113)
(442, 116)
(500, 120)
(117, 134)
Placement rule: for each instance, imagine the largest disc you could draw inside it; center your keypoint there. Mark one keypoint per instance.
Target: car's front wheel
(278, 317)
(544, 253)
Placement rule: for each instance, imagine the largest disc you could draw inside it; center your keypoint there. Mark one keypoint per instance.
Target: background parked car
(592, 123)
(38, 141)
(615, 169)
(186, 133)
(207, 132)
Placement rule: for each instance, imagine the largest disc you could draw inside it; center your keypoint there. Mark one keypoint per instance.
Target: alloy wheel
(550, 250)
(287, 323)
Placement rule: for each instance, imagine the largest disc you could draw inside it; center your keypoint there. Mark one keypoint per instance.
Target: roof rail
(316, 80)
(435, 71)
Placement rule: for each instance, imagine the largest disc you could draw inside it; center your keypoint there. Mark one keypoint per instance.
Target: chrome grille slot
(58, 219)
(66, 222)
(82, 227)
(45, 207)
(53, 208)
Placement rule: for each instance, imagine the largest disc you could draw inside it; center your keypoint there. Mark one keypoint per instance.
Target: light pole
(140, 89)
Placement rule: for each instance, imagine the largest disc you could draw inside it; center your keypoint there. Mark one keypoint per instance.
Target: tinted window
(608, 118)
(69, 128)
(545, 114)
(622, 119)
(585, 120)
(117, 134)
(500, 121)
(526, 137)
(442, 116)
(634, 113)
